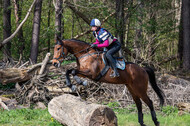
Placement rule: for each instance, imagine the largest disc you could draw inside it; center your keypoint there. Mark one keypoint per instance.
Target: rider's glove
(93, 45)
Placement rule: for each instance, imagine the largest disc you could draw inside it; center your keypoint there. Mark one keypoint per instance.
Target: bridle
(63, 54)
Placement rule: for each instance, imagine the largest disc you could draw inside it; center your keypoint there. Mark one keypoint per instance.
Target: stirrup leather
(114, 74)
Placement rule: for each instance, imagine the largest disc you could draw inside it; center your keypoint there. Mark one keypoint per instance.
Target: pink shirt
(104, 44)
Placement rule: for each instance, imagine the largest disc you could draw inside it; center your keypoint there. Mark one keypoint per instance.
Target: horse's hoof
(73, 88)
(143, 125)
(85, 83)
(158, 124)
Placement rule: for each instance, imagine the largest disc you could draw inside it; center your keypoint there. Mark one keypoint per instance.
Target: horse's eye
(58, 48)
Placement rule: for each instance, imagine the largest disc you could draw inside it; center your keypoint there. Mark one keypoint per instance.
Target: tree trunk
(58, 18)
(153, 24)
(36, 31)
(72, 111)
(138, 31)
(7, 27)
(180, 42)
(49, 16)
(186, 34)
(120, 22)
(18, 11)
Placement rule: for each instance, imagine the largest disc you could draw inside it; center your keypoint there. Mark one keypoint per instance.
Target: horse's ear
(58, 38)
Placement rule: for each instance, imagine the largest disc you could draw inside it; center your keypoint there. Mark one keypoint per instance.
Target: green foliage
(155, 21)
(7, 86)
(113, 104)
(117, 108)
(67, 62)
(169, 110)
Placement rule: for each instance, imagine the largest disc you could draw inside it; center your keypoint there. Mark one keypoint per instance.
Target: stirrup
(114, 74)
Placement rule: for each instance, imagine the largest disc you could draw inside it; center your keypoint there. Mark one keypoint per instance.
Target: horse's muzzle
(56, 63)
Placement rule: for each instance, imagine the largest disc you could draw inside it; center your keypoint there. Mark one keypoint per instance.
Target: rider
(104, 39)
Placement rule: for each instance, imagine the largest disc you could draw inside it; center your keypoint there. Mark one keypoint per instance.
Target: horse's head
(60, 52)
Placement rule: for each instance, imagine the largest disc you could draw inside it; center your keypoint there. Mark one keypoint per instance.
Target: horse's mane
(82, 43)
(78, 41)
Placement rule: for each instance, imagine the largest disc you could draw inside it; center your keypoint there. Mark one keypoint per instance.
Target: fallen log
(73, 111)
(13, 75)
(167, 78)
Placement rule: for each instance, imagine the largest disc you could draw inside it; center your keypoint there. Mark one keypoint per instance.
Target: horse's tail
(154, 85)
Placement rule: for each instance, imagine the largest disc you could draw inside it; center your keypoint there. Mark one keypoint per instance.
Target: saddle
(120, 64)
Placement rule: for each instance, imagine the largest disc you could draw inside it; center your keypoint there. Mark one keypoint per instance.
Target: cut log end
(103, 117)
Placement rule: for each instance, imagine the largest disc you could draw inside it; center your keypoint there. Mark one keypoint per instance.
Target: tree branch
(71, 6)
(21, 24)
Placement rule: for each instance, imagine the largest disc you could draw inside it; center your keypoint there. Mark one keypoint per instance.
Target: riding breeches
(112, 49)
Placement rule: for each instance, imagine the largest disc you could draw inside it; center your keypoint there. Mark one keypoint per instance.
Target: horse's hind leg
(139, 106)
(147, 100)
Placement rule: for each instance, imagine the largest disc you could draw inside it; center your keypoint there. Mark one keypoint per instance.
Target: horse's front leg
(68, 80)
(74, 72)
(77, 79)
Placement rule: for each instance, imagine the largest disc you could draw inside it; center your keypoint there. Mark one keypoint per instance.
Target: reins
(88, 54)
(71, 55)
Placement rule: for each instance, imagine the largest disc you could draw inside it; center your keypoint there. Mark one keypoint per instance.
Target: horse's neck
(78, 50)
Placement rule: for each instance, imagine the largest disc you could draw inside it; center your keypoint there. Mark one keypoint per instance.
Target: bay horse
(90, 65)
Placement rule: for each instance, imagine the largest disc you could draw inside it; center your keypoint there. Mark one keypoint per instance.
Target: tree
(18, 15)
(36, 31)
(49, 16)
(186, 33)
(180, 42)
(58, 18)
(138, 30)
(7, 26)
(120, 20)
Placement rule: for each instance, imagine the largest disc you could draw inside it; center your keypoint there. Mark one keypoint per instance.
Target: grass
(67, 62)
(167, 117)
(27, 117)
(126, 117)
(165, 120)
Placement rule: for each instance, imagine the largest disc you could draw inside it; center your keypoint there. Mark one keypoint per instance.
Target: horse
(90, 65)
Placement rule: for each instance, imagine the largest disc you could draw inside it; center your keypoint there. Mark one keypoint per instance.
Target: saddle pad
(120, 64)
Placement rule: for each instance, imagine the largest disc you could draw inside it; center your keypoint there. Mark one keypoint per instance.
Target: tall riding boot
(115, 71)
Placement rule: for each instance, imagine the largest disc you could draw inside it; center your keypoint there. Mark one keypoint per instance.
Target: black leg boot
(115, 71)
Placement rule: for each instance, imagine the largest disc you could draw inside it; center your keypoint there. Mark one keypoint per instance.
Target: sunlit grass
(167, 117)
(23, 117)
(126, 117)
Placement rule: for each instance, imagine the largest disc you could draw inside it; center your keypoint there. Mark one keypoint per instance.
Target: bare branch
(18, 28)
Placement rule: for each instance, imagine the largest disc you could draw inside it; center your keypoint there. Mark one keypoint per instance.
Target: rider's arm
(104, 44)
(97, 42)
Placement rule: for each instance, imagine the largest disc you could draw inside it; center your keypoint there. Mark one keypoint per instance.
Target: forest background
(152, 32)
